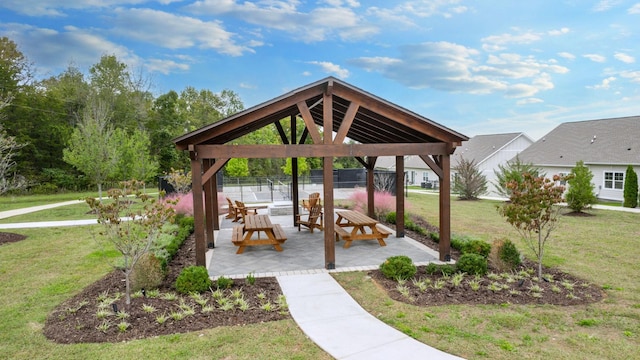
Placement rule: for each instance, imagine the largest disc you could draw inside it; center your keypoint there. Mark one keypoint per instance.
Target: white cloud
(57, 7)
(595, 57)
(530, 100)
(605, 84)
(52, 48)
(499, 42)
(331, 68)
(244, 85)
(625, 58)
(605, 5)
(175, 32)
(635, 9)
(165, 66)
(456, 68)
(316, 25)
(558, 32)
(567, 55)
(634, 76)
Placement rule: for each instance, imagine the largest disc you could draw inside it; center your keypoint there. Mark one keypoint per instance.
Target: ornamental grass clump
(399, 267)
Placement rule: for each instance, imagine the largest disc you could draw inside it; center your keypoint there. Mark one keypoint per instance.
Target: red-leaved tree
(532, 210)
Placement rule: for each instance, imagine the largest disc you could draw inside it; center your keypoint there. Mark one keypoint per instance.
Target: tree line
(81, 128)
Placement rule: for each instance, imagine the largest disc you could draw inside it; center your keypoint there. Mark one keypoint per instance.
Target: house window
(613, 180)
(562, 182)
(425, 176)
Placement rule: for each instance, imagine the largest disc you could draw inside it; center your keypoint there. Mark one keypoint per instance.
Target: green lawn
(602, 249)
(54, 264)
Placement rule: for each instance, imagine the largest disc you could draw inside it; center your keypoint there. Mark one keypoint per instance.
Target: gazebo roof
(375, 120)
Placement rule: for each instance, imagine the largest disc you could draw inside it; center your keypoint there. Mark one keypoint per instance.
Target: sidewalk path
(335, 322)
(10, 213)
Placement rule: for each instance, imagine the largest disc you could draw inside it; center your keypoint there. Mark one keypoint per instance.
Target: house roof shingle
(481, 147)
(614, 141)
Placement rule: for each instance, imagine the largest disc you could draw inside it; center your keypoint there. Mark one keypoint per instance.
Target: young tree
(630, 188)
(91, 149)
(134, 160)
(513, 172)
(469, 182)
(9, 180)
(532, 210)
(580, 195)
(131, 227)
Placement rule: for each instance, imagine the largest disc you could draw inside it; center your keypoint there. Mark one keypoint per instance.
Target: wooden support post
(399, 196)
(198, 213)
(327, 177)
(208, 205)
(445, 209)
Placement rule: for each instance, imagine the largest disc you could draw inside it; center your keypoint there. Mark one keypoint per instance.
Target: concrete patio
(303, 253)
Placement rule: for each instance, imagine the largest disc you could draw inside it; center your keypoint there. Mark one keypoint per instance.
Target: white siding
(490, 165)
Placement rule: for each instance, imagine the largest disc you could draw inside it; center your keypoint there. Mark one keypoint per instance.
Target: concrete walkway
(335, 322)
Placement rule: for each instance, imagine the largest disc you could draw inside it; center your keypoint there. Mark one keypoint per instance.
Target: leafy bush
(435, 236)
(147, 273)
(224, 282)
(44, 189)
(479, 247)
(504, 255)
(474, 264)
(193, 279)
(398, 267)
(440, 269)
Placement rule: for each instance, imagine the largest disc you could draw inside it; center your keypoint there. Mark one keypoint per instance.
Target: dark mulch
(6, 238)
(75, 320)
(558, 288)
(72, 323)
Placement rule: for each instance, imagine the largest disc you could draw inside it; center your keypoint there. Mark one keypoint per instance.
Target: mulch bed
(6, 238)
(72, 323)
(75, 320)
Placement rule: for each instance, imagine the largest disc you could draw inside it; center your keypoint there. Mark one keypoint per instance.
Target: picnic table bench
(364, 228)
(242, 235)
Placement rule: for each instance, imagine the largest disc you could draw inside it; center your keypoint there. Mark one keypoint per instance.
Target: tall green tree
(92, 149)
(513, 171)
(580, 195)
(134, 159)
(237, 167)
(469, 182)
(164, 123)
(630, 192)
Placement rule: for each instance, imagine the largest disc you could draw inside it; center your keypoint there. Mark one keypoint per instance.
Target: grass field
(602, 249)
(53, 264)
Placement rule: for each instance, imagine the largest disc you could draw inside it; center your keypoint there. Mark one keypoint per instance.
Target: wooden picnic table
(243, 234)
(364, 228)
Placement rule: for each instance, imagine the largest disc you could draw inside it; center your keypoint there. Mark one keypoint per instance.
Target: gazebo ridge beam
(320, 150)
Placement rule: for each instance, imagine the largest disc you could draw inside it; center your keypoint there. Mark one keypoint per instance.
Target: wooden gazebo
(378, 127)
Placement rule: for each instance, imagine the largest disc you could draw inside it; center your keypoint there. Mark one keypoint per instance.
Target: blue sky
(478, 67)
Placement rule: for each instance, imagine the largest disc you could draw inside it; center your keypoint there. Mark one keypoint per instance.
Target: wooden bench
(241, 235)
(279, 233)
(237, 235)
(348, 237)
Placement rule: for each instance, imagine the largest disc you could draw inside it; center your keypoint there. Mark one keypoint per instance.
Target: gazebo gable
(357, 115)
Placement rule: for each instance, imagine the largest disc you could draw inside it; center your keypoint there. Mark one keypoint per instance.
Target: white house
(606, 146)
(487, 152)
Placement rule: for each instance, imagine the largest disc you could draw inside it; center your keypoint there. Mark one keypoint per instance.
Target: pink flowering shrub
(184, 203)
(384, 202)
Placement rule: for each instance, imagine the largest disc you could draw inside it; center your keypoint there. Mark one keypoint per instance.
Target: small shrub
(391, 217)
(435, 236)
(147, 273)
(474, 264)
(510, 255)
(504, 255)
(441, 269)
(193, 279)
(398, 267)
(224, 282)
(479, 247)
